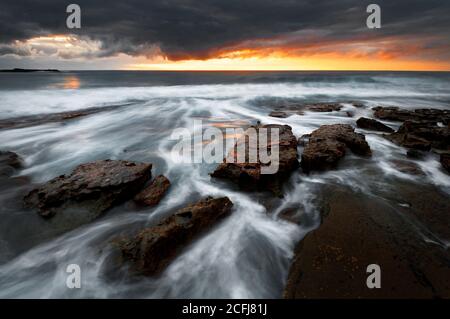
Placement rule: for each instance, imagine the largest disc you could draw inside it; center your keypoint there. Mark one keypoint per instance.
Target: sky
(226, 35)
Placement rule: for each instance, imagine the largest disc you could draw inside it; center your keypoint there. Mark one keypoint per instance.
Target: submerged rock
(93, 187)
(327, 145)
(249, 175)
(155, 247)
(152, 194)
(9, 163)
(407, 167)
(371, 124)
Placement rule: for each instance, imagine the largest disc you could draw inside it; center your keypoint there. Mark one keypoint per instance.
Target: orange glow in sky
(386, 54)
(292, 63)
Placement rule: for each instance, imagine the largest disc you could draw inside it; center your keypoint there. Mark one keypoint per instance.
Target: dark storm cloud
(197, 29)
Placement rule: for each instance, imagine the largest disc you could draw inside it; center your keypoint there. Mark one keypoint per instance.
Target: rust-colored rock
(155, 247)
(93, 187)
(327, 145)
(371, 124)
(249, 174)
(152, 194)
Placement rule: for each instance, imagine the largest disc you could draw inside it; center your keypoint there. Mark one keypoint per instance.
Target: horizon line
(220, 70)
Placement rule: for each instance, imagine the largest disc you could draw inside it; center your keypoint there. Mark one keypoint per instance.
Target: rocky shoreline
(356, 230)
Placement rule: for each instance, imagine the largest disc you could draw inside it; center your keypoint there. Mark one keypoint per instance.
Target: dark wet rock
(371, 124)
(249, 175)
(350, 114)
(152, 194)
(39, 119)
(92, 187)
(155, 247)
(360, 230)
(401, 115)
(422, 135)
(327, 145)
(9, 163)
(445, 161)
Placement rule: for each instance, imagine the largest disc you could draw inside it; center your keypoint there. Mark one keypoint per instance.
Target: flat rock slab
(327, 145)
(155, 247)
(371, 124)
(407, 167)
(357, 231)
(249, 175)
(93, 187)
(153, 193)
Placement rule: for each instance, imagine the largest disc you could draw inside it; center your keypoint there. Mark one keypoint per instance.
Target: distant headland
(18, 70)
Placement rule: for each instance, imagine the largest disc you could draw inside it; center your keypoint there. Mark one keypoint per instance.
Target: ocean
(246, 256)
